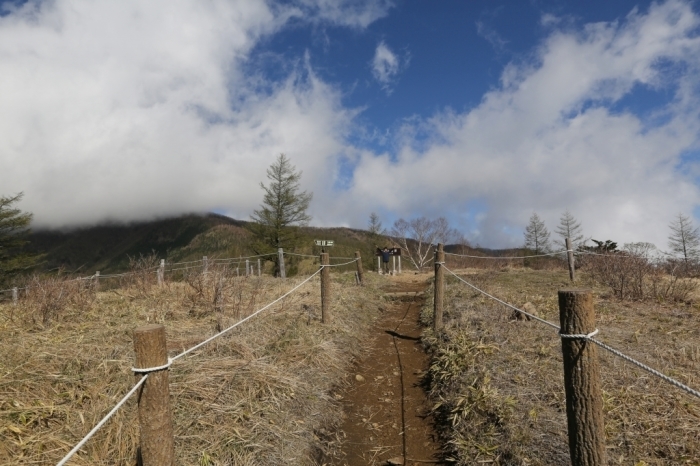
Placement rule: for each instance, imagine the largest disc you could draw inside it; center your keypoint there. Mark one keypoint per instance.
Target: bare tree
(418, 236)
(684, 240)
(536, 235)
(569, 228)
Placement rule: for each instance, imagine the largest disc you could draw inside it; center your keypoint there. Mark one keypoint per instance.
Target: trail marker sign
(324, 242)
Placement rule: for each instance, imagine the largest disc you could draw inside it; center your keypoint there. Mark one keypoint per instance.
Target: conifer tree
(569, 228)
(14, 229)
(282, 211)
(536, 235)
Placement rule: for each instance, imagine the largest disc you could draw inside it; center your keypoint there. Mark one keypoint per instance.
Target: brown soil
(386, 409)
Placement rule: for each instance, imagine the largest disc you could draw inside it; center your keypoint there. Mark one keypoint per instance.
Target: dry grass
(497, 383)
(261, 395)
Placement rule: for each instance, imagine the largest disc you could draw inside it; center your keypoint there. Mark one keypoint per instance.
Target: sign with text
(392, 252)
(324, 242)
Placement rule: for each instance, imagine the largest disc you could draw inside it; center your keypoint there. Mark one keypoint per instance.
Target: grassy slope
(498, 389)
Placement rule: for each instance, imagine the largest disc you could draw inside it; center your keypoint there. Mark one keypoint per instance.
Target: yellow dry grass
(497, 383)
(260, 395)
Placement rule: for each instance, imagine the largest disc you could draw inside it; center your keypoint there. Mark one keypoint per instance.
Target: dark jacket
(385, 256)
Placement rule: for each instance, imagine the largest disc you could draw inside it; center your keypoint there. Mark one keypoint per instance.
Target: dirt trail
(386, 408)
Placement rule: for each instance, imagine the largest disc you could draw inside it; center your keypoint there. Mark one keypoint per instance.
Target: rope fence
(588, 337)
(147, 371)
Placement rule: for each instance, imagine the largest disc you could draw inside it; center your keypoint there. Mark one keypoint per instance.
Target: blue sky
(481, 111)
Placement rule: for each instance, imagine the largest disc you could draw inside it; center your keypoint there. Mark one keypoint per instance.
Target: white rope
(502, 302)
(245, 257)
(300, 255)
(509, 258)
(668, 379)
(579, 336)
(245, 319)
(338, 265)
(345, 258)
(590, 338)
(148, 370)
(102, 422)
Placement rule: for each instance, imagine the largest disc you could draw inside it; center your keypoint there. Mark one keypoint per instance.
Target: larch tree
(684, 240)
(537, 235)
(14, 230)
(569, 228)
(275, 224)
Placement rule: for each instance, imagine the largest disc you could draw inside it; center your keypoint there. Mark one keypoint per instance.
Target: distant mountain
(107, 248)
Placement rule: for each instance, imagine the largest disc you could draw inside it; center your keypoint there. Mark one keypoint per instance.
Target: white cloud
(547, 139)
(385, 65)
(131, 109)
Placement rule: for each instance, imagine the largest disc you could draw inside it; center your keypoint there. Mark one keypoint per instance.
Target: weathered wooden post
(161, 272)
(393, 265)
(570, 258)
(584, 400)
(325, 289)
(15, 295)
(259, 270)
(97, 281)
(399, 261)
(439, 287)
(247, 267)
(155, 417)
(280, 254)
(205, 266)
(358, 261)
(379, 264)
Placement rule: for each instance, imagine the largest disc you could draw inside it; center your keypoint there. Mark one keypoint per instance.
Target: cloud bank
(131, 110)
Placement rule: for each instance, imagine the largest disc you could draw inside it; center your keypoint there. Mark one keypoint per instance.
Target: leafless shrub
(142, 272)
(48, 297)
(637, 273)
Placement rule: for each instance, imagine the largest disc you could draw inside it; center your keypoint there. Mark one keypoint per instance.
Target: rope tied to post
(148, 370)
(579, 336)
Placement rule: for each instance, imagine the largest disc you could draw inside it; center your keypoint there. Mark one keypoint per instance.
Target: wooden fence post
(379, 265)
(15, 295)
(97, 281)
(205, 262)
(247, 267)
(280, 254)
(584, 400)
(325, 289)
(439, 288)
(259, 272)
(155, 418)
(161, 272)
(570, 259)
(360, 272)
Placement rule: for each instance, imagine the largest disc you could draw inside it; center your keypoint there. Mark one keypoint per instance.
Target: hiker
(385, 259)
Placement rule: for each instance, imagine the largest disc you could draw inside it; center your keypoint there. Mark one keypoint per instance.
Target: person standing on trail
(385, 259)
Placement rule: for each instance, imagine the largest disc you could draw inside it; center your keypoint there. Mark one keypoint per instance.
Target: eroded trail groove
(386, 408)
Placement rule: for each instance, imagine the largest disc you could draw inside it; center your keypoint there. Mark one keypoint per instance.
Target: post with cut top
(161, 272)
(439, 287)
(259, 272)
(205, 264)
(360, 272)
(247, 267)
(97, 281)
(584, 400)
(325, 289)
(280, 254)
(570, 258)
(155, 416)
(15, 295)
